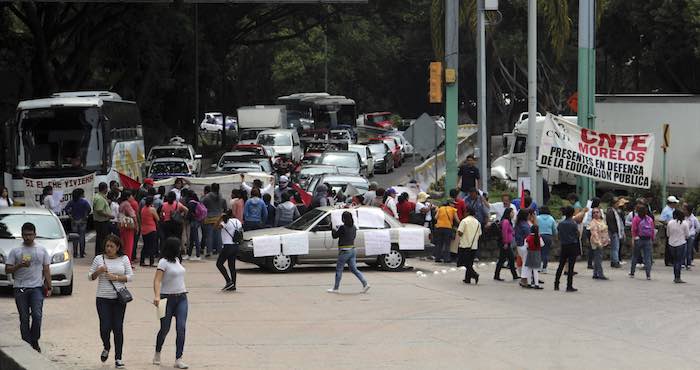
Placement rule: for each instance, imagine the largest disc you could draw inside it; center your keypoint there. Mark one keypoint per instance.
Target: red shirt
(148, 220)
(405, 209)
(531, 245)
(461, 207)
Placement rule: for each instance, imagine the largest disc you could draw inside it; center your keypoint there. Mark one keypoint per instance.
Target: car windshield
(169, 167)
(47, 227)
(379, 118)
(249, 135)
(359, 150)
(340, 159)
(170, 153)
(237, 166)
(377, 148)
(310, 171)
(306, 220)
(341, 185)
(275, 139)
(251, 149)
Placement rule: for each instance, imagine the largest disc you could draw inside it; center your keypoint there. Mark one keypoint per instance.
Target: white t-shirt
(228, 230)
(5, 202)
(173, 277)
(114, 206)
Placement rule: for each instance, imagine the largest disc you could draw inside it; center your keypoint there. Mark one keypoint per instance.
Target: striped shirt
(118, 266)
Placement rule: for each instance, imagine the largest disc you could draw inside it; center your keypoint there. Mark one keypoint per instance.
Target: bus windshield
(64, 137)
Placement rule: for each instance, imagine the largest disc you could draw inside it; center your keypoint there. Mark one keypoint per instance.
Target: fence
(430, 171)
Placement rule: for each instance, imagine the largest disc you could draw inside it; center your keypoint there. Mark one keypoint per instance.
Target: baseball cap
(391, 191)
(284, 179)
(148, 181)
(672, 199)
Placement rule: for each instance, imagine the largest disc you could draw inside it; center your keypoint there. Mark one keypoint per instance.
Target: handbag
(123, 295)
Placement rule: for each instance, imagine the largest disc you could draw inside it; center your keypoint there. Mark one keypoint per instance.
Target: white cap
(284, 179)
(672, 199)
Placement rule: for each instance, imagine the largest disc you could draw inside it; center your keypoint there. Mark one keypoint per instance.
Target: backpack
(646, 227)
(200, 211)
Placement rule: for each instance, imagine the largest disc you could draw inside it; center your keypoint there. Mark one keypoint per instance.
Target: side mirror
(197, 156)
(73, 237)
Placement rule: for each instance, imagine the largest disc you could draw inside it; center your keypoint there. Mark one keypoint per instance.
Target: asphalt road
(400, 176)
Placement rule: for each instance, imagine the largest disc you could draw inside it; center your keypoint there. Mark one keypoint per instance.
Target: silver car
(49, 235)
(323, 248)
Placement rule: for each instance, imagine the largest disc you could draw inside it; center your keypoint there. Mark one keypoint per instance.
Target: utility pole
(586, 81)
(451, 100)
(481, 93)
(535, 177)
(196, 75)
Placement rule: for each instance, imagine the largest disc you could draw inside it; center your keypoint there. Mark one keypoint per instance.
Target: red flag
(522, 194)
(127, 182)
(305, 197)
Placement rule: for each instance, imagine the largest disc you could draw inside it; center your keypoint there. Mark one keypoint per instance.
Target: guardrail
(426, 173)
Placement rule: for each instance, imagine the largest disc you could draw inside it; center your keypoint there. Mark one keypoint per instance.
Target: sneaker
(179, 364)
(571, 289)
(185, 257)
(156, 358)
(631, 276)
(648, 277)
(543, 271)
(331, 290)
(196, 258)
(119, 364)
(537, 287)
(365, 288)
(227, 286)
(231, 287)
(679, 281)
(104, 355)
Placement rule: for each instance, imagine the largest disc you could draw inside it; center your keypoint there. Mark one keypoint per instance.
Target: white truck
(252, 120)
(622, 114)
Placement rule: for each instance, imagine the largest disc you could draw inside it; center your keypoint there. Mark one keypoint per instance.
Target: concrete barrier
(426, 173)
(16, 354)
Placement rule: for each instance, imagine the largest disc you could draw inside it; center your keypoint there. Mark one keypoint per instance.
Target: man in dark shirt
(469, 176)
(570, 249)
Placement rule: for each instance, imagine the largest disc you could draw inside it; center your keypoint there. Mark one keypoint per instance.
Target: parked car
(406, 147)
(323, 248)
(243, 157)
(186, 152)
(305, 172)
(165, 168)
(49, 235)
(339, 182)
(377, 119)
(283, 142)
(393, 147)
(383, 158)
(348, 162)
(344, 136)
(212, 122)
(366, 157)
(240, 167)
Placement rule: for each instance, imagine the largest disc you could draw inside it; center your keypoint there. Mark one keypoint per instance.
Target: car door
(322, 242)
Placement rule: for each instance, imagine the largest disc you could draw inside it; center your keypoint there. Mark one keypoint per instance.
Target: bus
(71, 140)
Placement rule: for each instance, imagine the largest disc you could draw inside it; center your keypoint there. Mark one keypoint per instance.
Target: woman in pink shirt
(149, 222)
(506, 249)
(127, 223)
(643, 233)
(238, 199)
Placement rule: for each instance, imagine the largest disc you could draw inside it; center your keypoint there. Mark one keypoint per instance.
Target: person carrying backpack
(196, 215)
(643, 234)
(231, 236)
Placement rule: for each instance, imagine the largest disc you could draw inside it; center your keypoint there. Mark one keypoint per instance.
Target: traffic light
(435, 82)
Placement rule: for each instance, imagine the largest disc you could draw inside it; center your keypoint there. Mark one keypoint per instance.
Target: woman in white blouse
(112, 270)
(5, 200)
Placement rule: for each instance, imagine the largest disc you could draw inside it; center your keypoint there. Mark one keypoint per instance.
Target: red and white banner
(624, 159)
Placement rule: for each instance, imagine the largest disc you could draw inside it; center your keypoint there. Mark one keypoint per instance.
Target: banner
(62, 188)
(623, 159)
(226, 182)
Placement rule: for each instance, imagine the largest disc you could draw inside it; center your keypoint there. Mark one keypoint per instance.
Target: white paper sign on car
(411, 239)
(377, 242)
(264, 246)
(370, 218)
(337, 216)
(295, 244)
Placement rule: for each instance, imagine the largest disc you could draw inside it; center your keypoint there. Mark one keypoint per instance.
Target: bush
(692, 196)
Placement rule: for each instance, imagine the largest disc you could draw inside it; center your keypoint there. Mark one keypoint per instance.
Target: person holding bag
(231, 236)
(111, 270)
(445, 222)
(127, 223)
(469, 231)
(600, 239)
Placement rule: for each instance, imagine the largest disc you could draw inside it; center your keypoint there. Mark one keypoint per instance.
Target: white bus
(69, 140)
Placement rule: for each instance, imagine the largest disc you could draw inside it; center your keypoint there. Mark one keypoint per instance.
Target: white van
(282, 142)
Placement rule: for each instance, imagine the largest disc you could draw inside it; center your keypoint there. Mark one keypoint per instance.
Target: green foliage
(692, 196)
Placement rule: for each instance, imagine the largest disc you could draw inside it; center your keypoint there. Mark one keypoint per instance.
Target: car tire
(279, 263)
(67, 290)
(393, 261)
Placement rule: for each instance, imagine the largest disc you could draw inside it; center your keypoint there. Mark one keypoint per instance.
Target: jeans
(194, 238)
(689, 252)
(101, 232)
(642, 246)
(213, 238)
(177, 306)
(598, 263)
(586, 240)
(150, 247)
(678, 254)
(505, 253)
(443, 238)
(567, 256)
(614, 248)
(468, 258)
(228, 254)
(111, 314)
(347, 256)
(79, 227)
(547, 238)
(30, 303)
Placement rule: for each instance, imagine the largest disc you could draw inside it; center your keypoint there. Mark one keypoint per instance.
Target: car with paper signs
(339, 182)
(165, 168)
(308, 240)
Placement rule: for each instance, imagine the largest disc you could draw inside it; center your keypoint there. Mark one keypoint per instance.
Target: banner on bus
(623, 159)
(62, 189)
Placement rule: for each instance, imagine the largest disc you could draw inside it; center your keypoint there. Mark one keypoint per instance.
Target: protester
(390, 203)
(101, 215)
(257, 184)
(281, 188)
(469, 176)
(79, 210)
(48, 200)
(643, 233)
(478, 205)
(196, 213)
(178, 187)
(528, 202)
(114, 187)
(379, 199)
(693, 230)
(112, 270)
(169, 283)
(445, 223)
(269, 221)
(460, 204)
(346, 234)
(405, 207)
(216, 206)
(113, 199)
(586, 233)
(469, 231)
(599, 240)
(616, 229)
(678, 233)
(185, 224)
(238, 199)
(570, 248)
(145, 189)
(255, 212)
(320, 198)
(369, 196)
(231, 236)
(522, 230)
(149, 222)
(299, 203)
(127, 223)
(533, 260)
(172, 214)
(548, 230)
(666, 216)
(286, 212)
(505, 251)
(5, 200)
(29, 266)
(423, 210)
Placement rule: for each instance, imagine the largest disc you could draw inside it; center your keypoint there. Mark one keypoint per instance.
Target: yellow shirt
(444, 217)
(470, 229)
